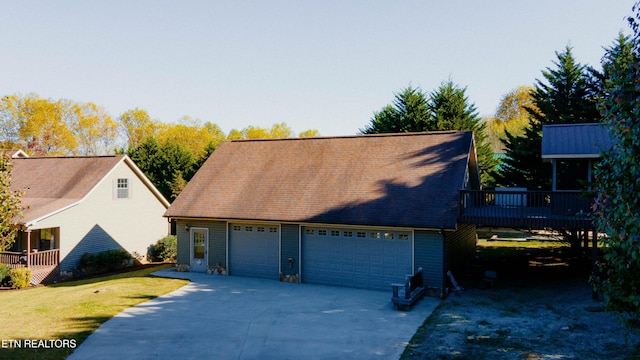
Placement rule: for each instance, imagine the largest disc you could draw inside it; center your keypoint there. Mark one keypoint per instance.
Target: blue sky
(326, 65)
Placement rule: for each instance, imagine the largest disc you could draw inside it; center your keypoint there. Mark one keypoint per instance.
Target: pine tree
(451, 110)
(408, 113)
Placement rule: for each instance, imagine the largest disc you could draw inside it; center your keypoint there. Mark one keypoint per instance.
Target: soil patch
(540, 308)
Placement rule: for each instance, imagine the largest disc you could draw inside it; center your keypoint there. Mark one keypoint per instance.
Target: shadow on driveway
(244, 318)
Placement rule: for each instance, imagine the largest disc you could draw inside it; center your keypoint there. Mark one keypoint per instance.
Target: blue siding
(429, 255)
(290, 248)
(460, 247)
(217, 252)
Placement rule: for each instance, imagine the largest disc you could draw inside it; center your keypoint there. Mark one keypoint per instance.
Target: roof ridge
(357, 136)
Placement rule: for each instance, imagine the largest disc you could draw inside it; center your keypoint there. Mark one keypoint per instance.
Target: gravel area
(543, 311)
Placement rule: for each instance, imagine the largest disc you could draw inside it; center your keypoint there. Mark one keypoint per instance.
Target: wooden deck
(526, 209)
(44, 265)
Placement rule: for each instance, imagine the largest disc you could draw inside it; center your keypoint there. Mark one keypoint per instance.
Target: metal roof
(574, 141)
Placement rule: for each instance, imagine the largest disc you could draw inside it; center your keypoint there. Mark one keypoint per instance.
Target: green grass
(73, 310)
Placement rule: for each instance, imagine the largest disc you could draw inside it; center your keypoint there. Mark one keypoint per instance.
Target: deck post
(594, 260)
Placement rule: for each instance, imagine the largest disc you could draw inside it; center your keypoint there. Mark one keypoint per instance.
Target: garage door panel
(364, 259)
(253, 253)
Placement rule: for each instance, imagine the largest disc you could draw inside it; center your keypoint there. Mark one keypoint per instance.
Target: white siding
(133, 223)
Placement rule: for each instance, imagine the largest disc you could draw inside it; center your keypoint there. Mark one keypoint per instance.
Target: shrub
(104, 261)
(5, 275)
(20, 278)
(165, 249)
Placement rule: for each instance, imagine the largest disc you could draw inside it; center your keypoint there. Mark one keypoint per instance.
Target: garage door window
(361, 234)
(273, 229)
(388, 236)
(310, 231)
(348, 234)
(403, 236)
(335, 233)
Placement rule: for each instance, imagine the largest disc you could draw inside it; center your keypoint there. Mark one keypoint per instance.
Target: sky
(325, 65)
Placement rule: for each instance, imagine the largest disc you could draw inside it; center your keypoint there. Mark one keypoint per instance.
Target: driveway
(244, 318)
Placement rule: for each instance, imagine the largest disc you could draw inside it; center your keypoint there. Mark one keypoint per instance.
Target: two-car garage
(370, 259)
(360, 258)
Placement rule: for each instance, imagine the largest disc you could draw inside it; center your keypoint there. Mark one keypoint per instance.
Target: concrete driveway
(219, 317)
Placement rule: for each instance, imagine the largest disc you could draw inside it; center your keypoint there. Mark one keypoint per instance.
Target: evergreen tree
(617, 174)
(450, 110)
(446, 108)
(408, 113)
(568, 95)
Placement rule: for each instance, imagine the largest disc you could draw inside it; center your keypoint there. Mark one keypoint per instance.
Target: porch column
(28, 248)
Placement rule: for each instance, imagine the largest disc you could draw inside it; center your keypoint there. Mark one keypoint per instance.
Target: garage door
(253, 251)
(355, 258)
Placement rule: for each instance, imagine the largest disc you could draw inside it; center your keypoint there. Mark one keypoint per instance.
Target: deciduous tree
(10, 205)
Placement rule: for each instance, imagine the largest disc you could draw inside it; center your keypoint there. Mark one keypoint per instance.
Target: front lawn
(70, 311)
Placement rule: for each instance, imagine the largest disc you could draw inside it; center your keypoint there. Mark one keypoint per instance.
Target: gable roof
(55, 183)
(574, 141)
(402, 180)
(13, 153)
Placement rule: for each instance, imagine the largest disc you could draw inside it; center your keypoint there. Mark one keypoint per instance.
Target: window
(361, 234)
(403, 236)
(122, 189)
(47, 239)
(309, 231)
(237, 228)
(248, 228)
(322, 232)
(260, 228)
(335, 232)
(273, 229)
(348, 234)
(375, 235)
(388, 236)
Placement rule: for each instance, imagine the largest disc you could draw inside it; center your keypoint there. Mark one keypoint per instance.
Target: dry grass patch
(73, 310)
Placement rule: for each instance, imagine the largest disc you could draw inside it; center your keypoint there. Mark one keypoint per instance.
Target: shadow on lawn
(522, 266)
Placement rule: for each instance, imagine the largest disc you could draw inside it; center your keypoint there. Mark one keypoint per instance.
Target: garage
(369, 259)
(253, 250)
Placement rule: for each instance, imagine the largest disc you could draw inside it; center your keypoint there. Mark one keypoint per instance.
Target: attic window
(122, 189)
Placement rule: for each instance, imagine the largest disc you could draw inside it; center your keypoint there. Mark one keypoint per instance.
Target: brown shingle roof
(54, 183)
(407, 180)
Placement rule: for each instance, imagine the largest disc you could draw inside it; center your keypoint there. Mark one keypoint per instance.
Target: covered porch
(37, 250)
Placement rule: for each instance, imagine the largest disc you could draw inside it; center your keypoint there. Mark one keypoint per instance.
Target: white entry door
(199, 246)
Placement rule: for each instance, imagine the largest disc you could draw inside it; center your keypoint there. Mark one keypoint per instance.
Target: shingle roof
(574, 141)
(53, 183)
(407, 180)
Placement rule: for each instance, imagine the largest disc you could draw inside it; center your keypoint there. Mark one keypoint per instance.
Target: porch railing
(44, 258)
(526, 209)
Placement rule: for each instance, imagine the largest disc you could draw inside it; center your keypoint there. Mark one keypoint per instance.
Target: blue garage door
(253, 251)
(368, 259)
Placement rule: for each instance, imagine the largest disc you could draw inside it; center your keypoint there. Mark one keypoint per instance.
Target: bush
(104, 261)
(20, 278)
(165, 249)
(5, 275)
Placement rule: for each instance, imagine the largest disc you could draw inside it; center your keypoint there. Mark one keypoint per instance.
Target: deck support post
(594, 260)
(28, 249)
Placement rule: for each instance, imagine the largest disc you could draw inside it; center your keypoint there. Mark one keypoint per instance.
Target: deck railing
(44, 258)
(526, 209)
